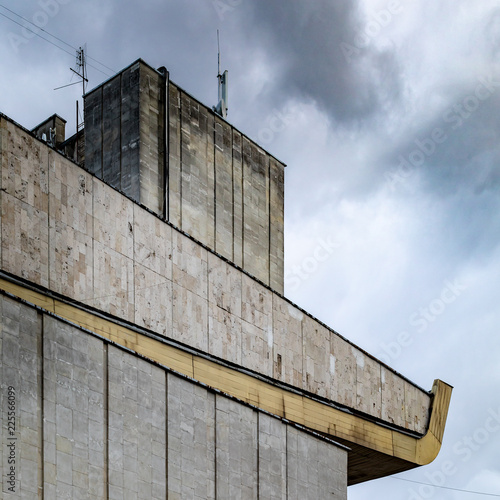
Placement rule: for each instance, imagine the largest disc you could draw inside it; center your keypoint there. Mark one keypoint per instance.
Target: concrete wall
(66, 230)
(224, 190)
(94, 421)
(221, 188)
(124, 128)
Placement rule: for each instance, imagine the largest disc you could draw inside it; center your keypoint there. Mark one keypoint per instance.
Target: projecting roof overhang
(377, 448)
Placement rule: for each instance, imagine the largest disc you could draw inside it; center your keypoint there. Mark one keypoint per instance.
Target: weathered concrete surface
(95, 421)
(218, 185)
(224, 190)
(20, 370)
(67, 230)
(124, 130)
(136, 427)
(73, 409)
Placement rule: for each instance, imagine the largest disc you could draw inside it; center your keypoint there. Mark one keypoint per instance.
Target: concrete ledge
(394, 449)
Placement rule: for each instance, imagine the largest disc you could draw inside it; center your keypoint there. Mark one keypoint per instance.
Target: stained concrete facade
(96, 421)
(151, 140)
(70, 232)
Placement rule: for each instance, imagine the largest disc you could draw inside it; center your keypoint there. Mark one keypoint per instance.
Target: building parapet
(90, 243)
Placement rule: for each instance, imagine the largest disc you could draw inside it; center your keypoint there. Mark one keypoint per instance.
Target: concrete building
(147, 350)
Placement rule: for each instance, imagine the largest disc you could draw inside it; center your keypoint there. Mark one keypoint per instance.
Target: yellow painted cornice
(399, 450)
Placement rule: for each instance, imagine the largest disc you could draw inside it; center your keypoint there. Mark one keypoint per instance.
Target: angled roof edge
(400, 450)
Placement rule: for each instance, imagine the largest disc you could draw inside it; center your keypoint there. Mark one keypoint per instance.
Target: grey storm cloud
(327, 56)
(458, 146)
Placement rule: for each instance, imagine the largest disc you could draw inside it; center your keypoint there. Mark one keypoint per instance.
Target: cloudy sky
(387, 113)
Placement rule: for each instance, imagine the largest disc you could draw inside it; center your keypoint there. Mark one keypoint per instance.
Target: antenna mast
(219, 76)
(221, 108)
(81, 71)
(81, 65)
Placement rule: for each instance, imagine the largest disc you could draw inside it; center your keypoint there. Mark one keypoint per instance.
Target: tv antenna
(81, 69)
(221, 108)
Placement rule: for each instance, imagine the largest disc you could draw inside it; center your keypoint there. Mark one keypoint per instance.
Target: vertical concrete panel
(189, 264)
(224, 285)
(113, 283)
(190, 291)
(368, 385)
(223, 189)
(113, 219)
(111, 131)
(416, 402)
(125, 140)
(255, 211)
(191, 441)
(287, 342)
(152, 124)
(93, 132)
(237, 199)
(73, 410)
(113, 252)
(152, 272)
(20, 329)
(187, 167)
(174, 162)
(272, 458)
(209, 132)
(152, 243)
(70, 229)
(189, 317)
(198, 173)
(137, 427)
(316, 469)
(153, 301)
(224, 315)
(265, 215)
(393, 392)
(130, 134)
(236, 450)
(316, 342)
(25, 234)
(277, 215)
(25, 231)
(342, 371)
(256, 327)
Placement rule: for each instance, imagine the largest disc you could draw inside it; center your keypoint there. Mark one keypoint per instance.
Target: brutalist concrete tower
(146, 349)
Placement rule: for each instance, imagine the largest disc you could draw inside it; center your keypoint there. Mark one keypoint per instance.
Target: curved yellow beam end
(428, 446)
